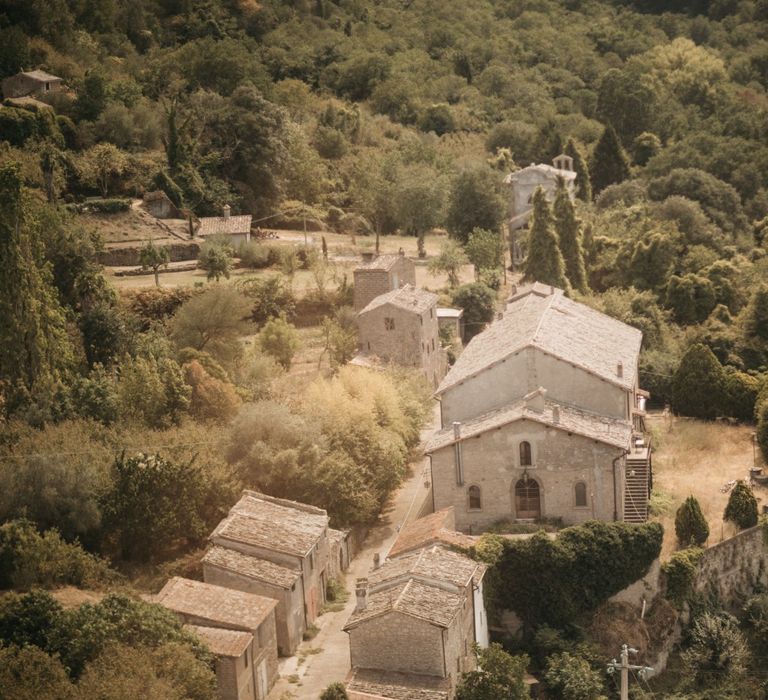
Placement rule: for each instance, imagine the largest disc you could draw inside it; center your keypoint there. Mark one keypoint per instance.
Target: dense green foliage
(741, 508)
(545, 262)
(679, 572)
(690, 525)
(499, 675)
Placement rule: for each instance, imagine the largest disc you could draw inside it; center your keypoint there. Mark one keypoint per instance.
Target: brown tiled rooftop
(219, 606)
(273, 524)
(422, 532)
(560, 327)
(413, 598)
(251, 567)
(406, 297)
(398, 686)
(611, 431)
(221, 225)
(221, 642)
(433, 563)
(382, 262)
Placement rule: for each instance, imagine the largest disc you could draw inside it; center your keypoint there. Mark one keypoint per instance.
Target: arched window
(475, 502)
(525, 454)
(580, 493)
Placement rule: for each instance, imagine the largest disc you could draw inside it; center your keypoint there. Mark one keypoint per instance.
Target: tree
(34, 347)
(335, 691)
(580, 167)
(212, 398)
(279, 339)
(568, 230)
(485, 250)
(718, 652)
(691, 298)
(92, 97)
(340, 340)
(153, 503)
(154, 257)
(572, 678)
(500, 675)
(690, 525)
(271, 298)
(213, 321)
(644, 147)
(627, 102)
(609, 164)
(479, 304)
(27, 673)
(473, 203)
(756, 321)
(544, 262)
(216, 259)
(742, 506)
(450, 261)
(101, 163)
(697, 386)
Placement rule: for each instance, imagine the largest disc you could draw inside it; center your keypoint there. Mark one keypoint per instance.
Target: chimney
(226, 211)
(456, 430)
(535, 400)
(620, 369)
(361, 593)
(376, 560)
(555, 414)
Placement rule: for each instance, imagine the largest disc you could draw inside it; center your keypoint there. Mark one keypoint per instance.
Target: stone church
(542, 417)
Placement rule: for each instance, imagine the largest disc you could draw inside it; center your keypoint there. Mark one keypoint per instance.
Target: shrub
(212, 398)
(155, 303)
(718, 652)
(107, 206)
(571, 678)
(742, 506)
(335, 691)
(680, 572)
(690, 525)
(479, 304)
(499, 675)
(271, 298)
(216, 259)
(697, 387)
(279, 339)
(258, 256)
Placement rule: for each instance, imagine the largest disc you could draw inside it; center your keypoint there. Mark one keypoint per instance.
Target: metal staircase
(637, 484)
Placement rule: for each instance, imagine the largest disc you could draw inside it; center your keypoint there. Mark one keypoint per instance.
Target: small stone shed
(34, 82)
(380, 275)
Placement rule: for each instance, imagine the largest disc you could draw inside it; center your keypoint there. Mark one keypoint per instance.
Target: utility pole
(304, 217)
(625, 667)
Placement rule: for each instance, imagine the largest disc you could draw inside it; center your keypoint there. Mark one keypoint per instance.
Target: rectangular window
(433, 344)
(389, 324)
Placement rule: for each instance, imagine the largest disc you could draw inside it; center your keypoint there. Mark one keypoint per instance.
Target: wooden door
(527, 499)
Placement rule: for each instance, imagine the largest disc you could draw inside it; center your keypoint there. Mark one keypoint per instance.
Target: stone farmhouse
(287, 552)
(34, 83)
(523, 183)
(417, 616)
(236, 229)
(401, 327)
(238, 628)
(380, 275)
(542, 417)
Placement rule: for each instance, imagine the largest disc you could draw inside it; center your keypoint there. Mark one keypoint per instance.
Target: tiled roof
(382, 262)
(542, 168)
(406, 297)
(219, 225)
(429, 564)
(40, 75)
(559, 327)
(413, 598)
(274, 524)
(215, 604)
(221, 642)
(251, 567)
(611, 431)
(398, 686)
(431, 529)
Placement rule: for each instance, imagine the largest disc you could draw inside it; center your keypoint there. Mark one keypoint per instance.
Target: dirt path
(325, 658)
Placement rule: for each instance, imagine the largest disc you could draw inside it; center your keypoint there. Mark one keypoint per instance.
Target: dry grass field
(698, 458)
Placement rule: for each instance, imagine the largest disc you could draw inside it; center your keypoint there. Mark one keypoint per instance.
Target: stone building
(542, 417)
(236, 229)
(159, 204)
(293, 536)
(417, 617)
(239, 629)
(452, 320)
(523, 183)
(35, 83)
(401, 327)
(380, 275)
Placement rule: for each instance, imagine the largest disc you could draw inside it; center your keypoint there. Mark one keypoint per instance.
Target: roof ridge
(401, 594)
(544, 313)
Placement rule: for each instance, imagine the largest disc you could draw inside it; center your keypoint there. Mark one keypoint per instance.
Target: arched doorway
(527, 499)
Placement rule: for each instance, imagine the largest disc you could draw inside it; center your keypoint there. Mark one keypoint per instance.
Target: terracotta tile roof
(559, 327)
(219, 606)
(433, 563)
(274, 524)
(413, 598)
(251, 567)
(383, 262)
(406, 297)
(221, 642)
(219, 225)
(422, 532)
(40, 75)
(398, 686)
(611, 431)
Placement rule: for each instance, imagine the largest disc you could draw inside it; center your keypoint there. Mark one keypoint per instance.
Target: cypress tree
(609, 163)
(33, 340)
(757, 314)
(742, 506)
(568, 229)
(580, 167)
(690, 525)
(698, 384)
(545, 261)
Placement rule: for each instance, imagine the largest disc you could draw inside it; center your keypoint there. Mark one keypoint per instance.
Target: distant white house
(237, 229)
(31, 83)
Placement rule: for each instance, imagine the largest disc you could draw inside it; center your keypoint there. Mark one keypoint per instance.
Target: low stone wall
(125, 256)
